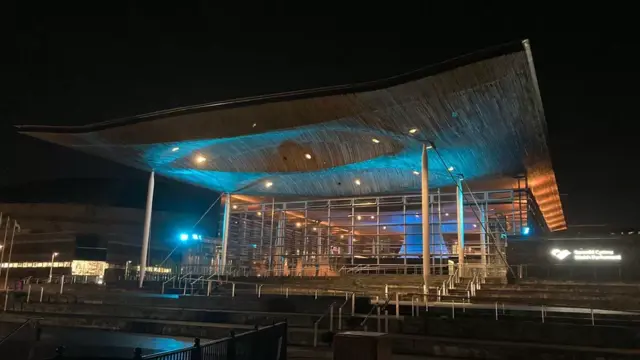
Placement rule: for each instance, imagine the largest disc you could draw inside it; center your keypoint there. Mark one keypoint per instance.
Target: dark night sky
(74, 66)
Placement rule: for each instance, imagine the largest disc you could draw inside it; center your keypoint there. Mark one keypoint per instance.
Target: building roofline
(429, 70)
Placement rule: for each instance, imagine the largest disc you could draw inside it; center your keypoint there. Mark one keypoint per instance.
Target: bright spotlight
(298, 224)
(184, 237)
(375, 141)
(384, 228)
(200, 159)
(446, 214)
(450, 168)
(268, 184)
(357, 182)
(315, 229)
(235, 207)
(526, 230)
(175, 149)
(307, 156)
(372, 217)
(259, 213)
(359, 217)
(413, 131)
(415, 172)
(194, 236)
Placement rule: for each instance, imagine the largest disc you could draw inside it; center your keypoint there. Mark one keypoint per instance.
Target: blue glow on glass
(526, 230)
(194, 236)
(184, 237)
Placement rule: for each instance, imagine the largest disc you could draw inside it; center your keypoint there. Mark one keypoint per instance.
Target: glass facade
(330, 236)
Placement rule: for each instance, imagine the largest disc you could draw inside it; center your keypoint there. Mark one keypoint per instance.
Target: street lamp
(53, 256)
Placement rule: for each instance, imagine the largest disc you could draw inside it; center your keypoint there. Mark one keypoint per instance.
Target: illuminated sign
(89, 268)
(586, 254)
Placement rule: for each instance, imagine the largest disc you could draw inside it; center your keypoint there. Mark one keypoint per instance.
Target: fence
(267, 343)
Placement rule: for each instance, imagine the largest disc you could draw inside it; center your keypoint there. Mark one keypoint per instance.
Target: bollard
(256, 289)
(315, 334)
(453, 310)
(286, 293)
(424, 292)
(496, 310)
(233, 290)
(386, 291)
(378, 328)
(503, 312)
(542, 313)
(29, 295)
(185, 288)
(397, 306)
(340, 318)
(386, 321)
(353, 303)
(41, 292)
(316, 297)
(593, 319)
(464, 306)
(346, 296)
(162, 293)
(209, 288)
(259, 290)
(331, 318)
(412, 308)
(61, 284)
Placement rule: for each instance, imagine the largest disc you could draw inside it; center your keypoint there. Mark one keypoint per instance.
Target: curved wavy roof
(482, 111)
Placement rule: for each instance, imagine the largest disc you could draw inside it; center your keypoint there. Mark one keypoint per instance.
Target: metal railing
(172, 279)
(267, 343)
(328, 312)
(27, 333)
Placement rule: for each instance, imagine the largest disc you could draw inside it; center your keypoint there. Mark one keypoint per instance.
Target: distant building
(90, 237)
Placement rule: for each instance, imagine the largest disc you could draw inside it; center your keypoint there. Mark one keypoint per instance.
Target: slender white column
(4, 242)
(460, 211)
(426, 253)
(226, 220)
(147, 228)
(483, 235)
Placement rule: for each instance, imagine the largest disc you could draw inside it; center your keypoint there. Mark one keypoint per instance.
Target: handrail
(315, 324)
(471, 286)
(193, 282)
(384, 306)
(346, 300)
(24, 324)
(172, 278)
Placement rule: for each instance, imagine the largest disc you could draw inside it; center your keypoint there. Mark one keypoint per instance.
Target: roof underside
(485, 118)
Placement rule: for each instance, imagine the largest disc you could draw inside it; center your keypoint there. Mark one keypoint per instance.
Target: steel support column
(426, 254)
(226, 221)
(147, 229)
(460, 219)
(483, 234)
